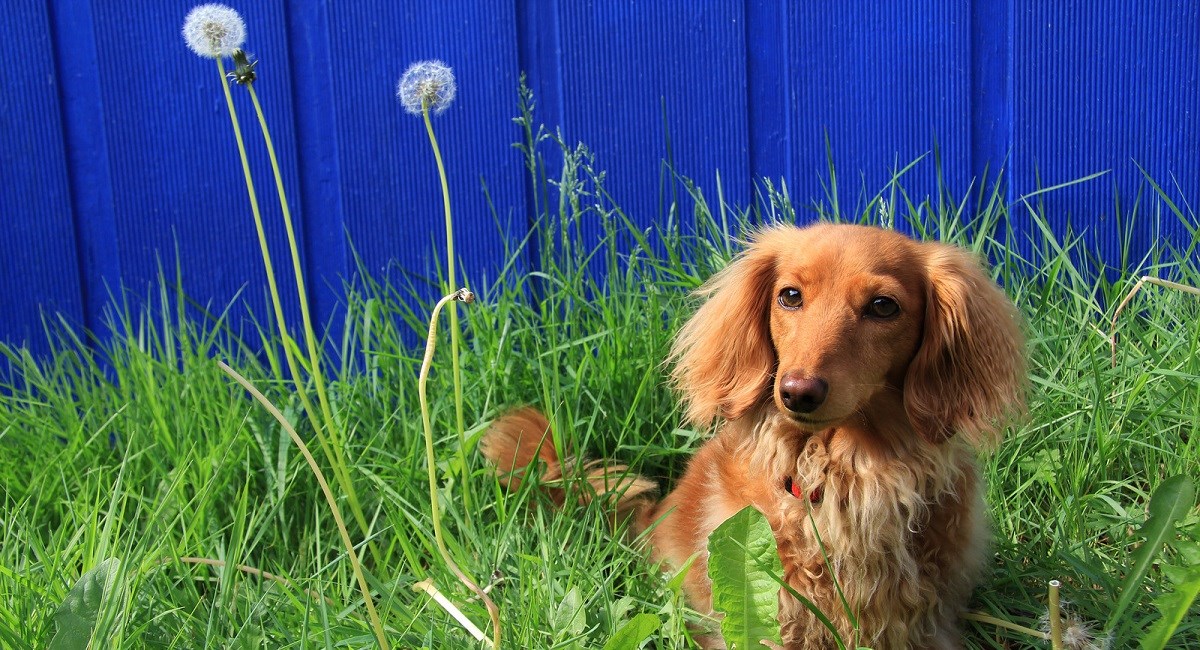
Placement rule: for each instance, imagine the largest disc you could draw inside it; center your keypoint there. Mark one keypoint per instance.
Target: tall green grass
(165, 459)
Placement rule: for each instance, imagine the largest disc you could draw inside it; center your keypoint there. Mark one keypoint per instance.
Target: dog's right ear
(723, 355)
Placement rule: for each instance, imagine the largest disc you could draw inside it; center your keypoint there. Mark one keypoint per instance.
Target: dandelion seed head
(1077, 634)
(214, 30)
(426, 83)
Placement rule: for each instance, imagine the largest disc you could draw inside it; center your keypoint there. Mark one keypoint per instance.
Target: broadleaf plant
(75, 619)
(742, 564)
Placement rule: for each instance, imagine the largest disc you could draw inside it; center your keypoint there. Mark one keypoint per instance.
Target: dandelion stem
(338, 460)
(459, 419)
(276, 304)
(431, 462)
(355, 564)
(1056, 632)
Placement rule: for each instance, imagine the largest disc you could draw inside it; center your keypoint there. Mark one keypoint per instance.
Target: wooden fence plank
(1107, 86)
(390, 189)
(39, 272)
(119, 160)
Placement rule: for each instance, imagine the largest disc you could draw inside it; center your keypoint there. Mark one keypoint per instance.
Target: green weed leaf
(634, 632)
(1173, 606)
(1188, 546)
(1043, 465)
(569, 618)
(742, 560)
(76, 616)
(675, 584)
(1185, 577)
(1172, 500)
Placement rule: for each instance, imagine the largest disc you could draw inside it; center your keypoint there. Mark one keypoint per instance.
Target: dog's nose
(801, 395)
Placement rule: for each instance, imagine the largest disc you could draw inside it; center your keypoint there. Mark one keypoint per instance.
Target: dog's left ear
(969, 374)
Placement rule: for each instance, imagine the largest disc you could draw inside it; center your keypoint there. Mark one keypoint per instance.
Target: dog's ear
(969, 373)
(723, 355)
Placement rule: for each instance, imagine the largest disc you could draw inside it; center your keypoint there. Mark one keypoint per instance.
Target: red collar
(814, 497)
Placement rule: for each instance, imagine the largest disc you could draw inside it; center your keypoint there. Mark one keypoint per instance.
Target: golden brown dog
(854, 373)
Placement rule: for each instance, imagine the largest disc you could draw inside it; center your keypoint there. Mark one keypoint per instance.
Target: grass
(145, 451)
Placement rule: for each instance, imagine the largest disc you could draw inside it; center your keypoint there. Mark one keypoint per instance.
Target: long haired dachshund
(855, 374)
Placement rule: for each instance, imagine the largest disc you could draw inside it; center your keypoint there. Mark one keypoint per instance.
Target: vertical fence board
(39, 272)
(884, 82)
(87, 157)
(1107, 87)
(768, 40)
(645, 82)
(991, 91)
(390, 188)
(178, 191)
(317, 160)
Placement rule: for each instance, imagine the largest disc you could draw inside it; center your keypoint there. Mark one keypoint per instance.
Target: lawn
(143, 468)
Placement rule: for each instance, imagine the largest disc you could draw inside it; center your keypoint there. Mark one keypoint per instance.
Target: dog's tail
(519, 440)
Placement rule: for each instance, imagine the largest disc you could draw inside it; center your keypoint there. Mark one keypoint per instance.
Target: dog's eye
(883, 307)
(790, 298)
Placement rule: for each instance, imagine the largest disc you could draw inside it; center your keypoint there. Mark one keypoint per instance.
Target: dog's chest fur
(895, 527)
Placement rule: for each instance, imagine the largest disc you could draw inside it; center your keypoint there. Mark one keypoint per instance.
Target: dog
(853, 375)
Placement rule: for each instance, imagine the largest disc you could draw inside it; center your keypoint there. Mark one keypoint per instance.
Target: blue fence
(118, 159)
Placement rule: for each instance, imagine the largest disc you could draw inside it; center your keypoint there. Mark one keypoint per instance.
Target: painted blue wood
(389, 184)
(991, 91)
(87, 159)
(885, 82)
(320, 182)
(119, 159)
(39, 267)
(179, 199)
(769, 89)
(643, 83)
(1108, 88)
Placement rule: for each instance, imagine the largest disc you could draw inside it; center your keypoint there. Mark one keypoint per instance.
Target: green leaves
(1173, 606)
(634, 632)
(742, 560)
(569, 618)
(76, 616)
(1179, 495)
(1170, 501)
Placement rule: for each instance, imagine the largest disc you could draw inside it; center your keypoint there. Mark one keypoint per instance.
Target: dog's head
(839, 321)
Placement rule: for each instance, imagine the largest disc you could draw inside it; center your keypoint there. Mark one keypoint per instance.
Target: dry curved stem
(266, 575)
(355, 563)
(980, 617)
(461, 295)
(428, 587)
(1146, 279)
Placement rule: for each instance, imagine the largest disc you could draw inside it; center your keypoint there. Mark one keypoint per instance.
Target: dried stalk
(461, 295)
(355, 564)
(1056, 631)
(1146, 279)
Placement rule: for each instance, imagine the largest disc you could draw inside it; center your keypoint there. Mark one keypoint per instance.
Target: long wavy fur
(883, 469)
